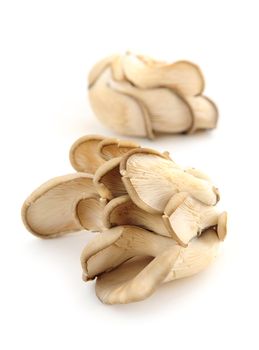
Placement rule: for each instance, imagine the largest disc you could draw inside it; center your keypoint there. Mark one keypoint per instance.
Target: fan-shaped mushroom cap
(167, 110)
(130, 263)
(62, 205)
(112, 148)
(183, 218)
(84, 155)
(183, 76)
(189, 218)
(107, 179)
(151, 180)
(123, 211)
(91, 151)
(126, 116)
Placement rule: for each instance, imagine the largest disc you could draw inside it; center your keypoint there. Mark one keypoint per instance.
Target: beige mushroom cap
(151, 180)
(89, 152)
(183, 76)
(84, 155)
(118, 111)
(183, 218)
(62, 205)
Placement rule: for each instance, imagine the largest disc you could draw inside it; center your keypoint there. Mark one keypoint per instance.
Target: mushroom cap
(128, 116)
(61, 205)
(123, 211)
(183, 76)
(151, 180)
(183, 218)
(89, 152)
(107, 179)
(110, 148)
(84, 155)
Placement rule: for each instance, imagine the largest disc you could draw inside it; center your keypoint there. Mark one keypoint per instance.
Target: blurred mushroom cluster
(136, 95)
(157, 221)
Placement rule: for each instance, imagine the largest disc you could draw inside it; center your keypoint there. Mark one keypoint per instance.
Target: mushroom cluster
(135, 95)
(157, 221)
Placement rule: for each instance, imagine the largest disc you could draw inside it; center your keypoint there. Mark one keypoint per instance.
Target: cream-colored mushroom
(151, 180)
(107, 179)
(135, 95)
(130, 263)
(91, 151)
(112, 148)
(167, 110)
(183, 76)
(120, 112)
(84, 155)
(123, 211)
(62, 205)
(189, 218)
(183, 218)
(162, 219)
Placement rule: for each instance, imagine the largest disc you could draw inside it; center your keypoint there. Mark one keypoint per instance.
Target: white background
(47, 49)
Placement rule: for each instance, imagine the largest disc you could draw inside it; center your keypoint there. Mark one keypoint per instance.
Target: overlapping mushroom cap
(135, 95)
(158, 221)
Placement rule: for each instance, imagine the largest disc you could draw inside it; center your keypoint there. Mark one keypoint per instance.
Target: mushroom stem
(130, 263)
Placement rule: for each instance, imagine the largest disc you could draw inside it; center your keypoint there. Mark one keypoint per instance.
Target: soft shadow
(62, 253)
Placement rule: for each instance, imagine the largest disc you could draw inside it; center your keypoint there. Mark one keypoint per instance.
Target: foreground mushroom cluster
(135, 95)
(157, 221)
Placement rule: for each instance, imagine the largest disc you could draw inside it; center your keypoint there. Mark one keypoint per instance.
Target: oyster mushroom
(123, 211)
(151, 180)
(184, 76)
(107, 179)
(147, 189)
(91, 151)
(131, 263)
(62, 205)
(183, 217)
(120, 112)
(112, 148)
(135, 95)
(189, 218)
(162, 220)
(167, 110)
(84, 155)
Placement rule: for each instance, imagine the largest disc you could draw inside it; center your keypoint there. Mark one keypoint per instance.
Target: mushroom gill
(59, 206)
(151, 180)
